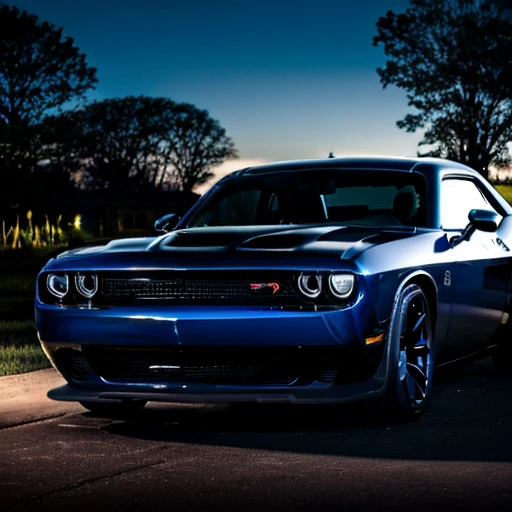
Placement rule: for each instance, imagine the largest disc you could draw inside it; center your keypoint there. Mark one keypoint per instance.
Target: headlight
(57, 285)
(310, 285)
(341, 285)
(86, 284)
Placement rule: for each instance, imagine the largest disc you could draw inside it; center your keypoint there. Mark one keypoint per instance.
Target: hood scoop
(125, 244)
(279, 241)
(244, 237)
(346, 235)
(356, 234)
(187, 239)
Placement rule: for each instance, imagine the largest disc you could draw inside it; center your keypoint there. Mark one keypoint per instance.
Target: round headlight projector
(86, 284)
(340, 285)
(310, 285)
(58, 285)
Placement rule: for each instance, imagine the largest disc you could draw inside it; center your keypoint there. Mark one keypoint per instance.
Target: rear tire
(114, 409)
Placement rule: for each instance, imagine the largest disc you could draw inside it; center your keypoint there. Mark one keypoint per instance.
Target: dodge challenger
(313, 281)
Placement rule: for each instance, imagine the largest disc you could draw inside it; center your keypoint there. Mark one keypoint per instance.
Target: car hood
(201, 247)
(334, 240)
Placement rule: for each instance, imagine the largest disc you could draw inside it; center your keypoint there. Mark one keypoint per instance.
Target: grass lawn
(505, 191)
(17, 293)
(21, 359)
(20, 351)
(17, 283)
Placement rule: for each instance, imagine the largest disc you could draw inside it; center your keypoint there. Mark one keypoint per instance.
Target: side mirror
(483, 220)
(166, 223)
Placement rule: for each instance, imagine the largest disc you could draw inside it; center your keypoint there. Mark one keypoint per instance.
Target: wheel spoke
(419, 322)
(422, 343)
(416, 381)
(411, 385)
(414, 326)
(415, 388)
(417, 373)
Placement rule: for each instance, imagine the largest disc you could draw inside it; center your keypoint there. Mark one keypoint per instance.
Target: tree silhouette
(454, 59)
(112, 144)
(135, 143)
(40, 71)
(198, 143)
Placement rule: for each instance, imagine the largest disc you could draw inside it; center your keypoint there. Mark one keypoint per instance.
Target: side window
(458, 198)
(273, 213)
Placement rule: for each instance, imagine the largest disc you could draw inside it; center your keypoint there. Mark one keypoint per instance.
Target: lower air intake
(223, 365)
(72, 364)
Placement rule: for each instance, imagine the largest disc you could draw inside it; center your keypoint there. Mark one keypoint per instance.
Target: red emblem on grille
(262, 286)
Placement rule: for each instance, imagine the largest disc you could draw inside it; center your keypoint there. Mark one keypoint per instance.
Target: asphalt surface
(56, 456)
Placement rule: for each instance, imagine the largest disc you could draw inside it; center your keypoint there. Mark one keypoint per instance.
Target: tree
(454, 59)
(135, 143)
(113, 144)
(198, 143)
(40, 71)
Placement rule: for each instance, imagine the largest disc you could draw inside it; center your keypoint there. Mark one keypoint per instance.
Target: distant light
(77, 222)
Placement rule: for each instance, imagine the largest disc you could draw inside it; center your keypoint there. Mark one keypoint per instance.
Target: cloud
(225, 168)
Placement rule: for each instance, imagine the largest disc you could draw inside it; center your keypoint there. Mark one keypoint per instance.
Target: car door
(480, 285)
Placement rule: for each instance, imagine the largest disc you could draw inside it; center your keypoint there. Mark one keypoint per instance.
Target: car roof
(374, 163)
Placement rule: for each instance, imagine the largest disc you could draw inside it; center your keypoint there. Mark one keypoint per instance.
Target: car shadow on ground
(469, 419)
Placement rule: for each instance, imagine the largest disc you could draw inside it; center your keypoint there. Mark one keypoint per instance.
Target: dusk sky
(286, 79)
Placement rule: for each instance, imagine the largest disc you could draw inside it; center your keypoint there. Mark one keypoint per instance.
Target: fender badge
(502, 244)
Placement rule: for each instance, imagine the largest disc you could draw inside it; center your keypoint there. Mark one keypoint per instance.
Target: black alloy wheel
(412, 365)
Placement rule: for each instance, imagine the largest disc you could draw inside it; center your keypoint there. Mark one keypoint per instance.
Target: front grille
(141, 288)
(229, 366)
(199, 287)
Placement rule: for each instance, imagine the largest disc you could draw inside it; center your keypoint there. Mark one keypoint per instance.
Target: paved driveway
(169, 457)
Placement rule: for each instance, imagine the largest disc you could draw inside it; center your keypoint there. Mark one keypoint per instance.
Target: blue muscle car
(315, 281)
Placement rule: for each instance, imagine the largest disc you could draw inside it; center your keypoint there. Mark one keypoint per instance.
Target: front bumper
(333, 394)
(207, 328)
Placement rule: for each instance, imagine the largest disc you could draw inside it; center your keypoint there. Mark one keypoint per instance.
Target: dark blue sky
(287, 79)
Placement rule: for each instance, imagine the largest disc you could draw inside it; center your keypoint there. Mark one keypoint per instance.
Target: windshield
(359, 197)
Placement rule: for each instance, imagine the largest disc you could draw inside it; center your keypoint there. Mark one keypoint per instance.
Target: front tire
(114, 409)
(411, 365)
